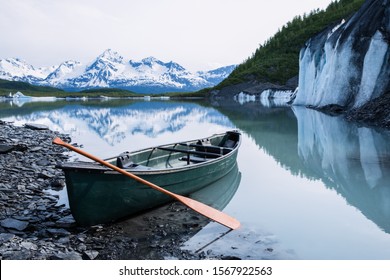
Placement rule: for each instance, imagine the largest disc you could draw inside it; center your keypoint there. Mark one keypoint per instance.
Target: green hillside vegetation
(111, 92)
(10, 86)
(7, 87)
(277, 60)
(184, 94)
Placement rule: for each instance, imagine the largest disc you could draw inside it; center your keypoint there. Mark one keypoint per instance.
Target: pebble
(91, 254)
(36, 126)
(32, 225)
(14, 224)
(5, 237)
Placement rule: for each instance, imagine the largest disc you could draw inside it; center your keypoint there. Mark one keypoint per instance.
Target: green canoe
(100, 195)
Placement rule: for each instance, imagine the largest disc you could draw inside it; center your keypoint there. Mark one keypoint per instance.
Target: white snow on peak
(18, 69)
(151, 60)
(111, 56)
(66, 70)
(110, 69)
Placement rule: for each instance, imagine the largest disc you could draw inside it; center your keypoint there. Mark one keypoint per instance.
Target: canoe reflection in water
(158, 233)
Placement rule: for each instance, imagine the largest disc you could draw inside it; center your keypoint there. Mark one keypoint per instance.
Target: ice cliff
(348, 64)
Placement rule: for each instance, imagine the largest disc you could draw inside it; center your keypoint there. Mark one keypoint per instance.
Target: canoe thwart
(208, 148)
(215, 155)
(203, 146)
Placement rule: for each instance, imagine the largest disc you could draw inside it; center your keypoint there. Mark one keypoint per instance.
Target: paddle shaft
(197, 206)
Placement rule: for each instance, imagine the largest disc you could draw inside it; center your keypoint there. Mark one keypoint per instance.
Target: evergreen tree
(277, 60)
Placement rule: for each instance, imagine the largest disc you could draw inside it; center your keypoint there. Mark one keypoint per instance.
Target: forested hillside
(277, 60)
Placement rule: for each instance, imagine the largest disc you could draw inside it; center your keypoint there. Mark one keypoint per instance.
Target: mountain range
(111, 70)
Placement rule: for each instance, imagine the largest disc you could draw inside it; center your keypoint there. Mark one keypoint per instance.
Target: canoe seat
(230, 140)
(124, 160)
(190, 152)
(137, 167)
(193, 159)
(229, 143)
(202, 146)
(213, 149)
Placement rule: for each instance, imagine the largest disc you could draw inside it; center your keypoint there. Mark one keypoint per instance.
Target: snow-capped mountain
(15, 69)
(66, 70)
(110, 69)
(214, 76)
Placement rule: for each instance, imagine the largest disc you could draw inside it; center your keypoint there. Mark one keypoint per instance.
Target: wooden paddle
(197, 206)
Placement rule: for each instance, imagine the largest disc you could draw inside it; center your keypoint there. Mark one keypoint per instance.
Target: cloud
(193, 33)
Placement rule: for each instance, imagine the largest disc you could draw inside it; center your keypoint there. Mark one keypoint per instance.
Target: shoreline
(33, 226)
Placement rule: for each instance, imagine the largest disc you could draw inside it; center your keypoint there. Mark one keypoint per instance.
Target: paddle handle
(59, 141)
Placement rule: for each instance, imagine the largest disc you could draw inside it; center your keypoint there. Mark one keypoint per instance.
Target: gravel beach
(33, 225)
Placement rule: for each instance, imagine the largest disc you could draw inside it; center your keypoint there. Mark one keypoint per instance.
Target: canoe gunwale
(93, 167)
(99, 195)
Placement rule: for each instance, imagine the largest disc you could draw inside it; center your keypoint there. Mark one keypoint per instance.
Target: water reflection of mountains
(111, 120)
(354, 161)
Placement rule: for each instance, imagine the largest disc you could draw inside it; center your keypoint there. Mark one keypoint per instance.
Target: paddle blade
(209, 212)
(58, 141)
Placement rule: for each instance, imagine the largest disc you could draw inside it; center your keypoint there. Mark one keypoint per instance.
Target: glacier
(347, 64)
(375, 60)
(276, 98)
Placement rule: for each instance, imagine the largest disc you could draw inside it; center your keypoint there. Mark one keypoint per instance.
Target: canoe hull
(103, 196)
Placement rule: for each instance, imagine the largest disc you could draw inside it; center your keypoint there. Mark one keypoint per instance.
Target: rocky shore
(34, 225)
(375, 113)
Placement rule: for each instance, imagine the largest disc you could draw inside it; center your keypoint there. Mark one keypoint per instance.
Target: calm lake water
(308, 186)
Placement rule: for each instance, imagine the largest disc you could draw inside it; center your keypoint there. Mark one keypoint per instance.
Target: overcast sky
(198, 34)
